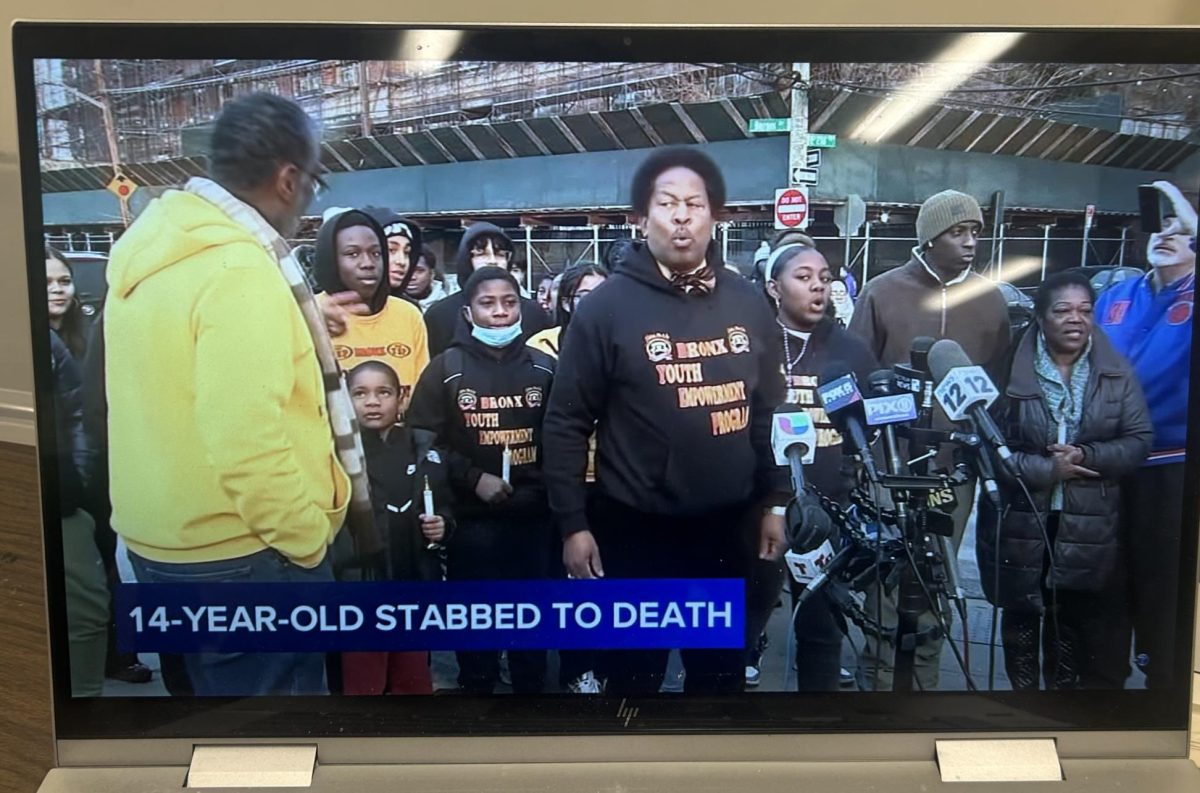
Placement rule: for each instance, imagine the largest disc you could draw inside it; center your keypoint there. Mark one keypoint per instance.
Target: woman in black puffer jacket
(1076, 420)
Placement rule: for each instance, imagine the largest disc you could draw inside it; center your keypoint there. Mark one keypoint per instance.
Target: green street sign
(822, 141)
(770, 124)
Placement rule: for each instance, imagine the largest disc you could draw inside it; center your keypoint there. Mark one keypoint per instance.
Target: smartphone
(1149, 203)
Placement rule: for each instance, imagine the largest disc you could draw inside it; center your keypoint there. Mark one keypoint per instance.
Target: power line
(1024, 88)
(1044, 111)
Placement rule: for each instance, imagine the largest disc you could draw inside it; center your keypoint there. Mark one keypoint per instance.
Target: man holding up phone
(1149, 320)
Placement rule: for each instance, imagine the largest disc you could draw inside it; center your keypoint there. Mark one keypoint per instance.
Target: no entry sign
(791, 208)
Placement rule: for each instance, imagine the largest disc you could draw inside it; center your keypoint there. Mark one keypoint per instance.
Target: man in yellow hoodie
(223, 465)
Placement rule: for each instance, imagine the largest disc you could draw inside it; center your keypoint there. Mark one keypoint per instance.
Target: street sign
(812, 158)
(791, 208)
(850, 216)
(121, 186)
(770, 124)
(1089, 215)
(805, 176)
(822, 141)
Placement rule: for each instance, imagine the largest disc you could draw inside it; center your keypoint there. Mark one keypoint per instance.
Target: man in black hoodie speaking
(675, 364)
(482, 245)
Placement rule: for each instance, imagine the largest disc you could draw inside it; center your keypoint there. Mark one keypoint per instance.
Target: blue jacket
(1154, 331)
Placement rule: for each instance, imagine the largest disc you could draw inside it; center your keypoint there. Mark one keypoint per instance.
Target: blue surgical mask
(497, 337)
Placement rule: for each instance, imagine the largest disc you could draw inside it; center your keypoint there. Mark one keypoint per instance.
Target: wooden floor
(25, 746)
(25, 679)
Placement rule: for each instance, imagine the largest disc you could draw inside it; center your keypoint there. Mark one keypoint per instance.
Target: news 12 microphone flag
(432, 615)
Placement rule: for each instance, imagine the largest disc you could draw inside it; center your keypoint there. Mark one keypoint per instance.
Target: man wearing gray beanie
(934, 294)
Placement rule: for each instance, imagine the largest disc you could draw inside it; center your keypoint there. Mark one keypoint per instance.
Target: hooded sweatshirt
(911, 301)
(444, 318)
(827, 343)
(394, 225)
(477, 404)
(679, 389)
(394, 333)
(219, 440)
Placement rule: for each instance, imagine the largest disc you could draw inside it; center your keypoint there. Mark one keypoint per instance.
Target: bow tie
(700, 282)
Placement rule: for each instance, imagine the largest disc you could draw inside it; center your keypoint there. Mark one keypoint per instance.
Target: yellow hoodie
(219, 441)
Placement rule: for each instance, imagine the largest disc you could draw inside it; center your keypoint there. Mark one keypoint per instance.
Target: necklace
(787, 348)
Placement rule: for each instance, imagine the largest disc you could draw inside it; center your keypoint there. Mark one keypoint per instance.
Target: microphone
(964, 391)
(918, 358)
(794, 441)
(842, 401)
(885, 408)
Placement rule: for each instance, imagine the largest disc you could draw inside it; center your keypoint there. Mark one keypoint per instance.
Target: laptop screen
(472, 381)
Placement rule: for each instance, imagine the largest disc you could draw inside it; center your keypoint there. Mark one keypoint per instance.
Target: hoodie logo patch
(343, 352)
(658, 347)
(739, 339)
(467, 399)
(533, 396)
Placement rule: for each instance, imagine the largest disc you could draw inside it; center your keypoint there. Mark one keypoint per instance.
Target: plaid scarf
(1064, 401)
(342, 421)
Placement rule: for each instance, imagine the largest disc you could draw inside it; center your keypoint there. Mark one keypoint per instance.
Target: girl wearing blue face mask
(484, 398)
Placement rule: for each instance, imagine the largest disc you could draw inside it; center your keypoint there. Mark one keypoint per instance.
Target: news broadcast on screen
(451, 375)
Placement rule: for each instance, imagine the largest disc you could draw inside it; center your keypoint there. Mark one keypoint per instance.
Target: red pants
(386, 673)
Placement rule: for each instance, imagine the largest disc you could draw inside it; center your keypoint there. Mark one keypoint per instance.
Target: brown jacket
(908, 302)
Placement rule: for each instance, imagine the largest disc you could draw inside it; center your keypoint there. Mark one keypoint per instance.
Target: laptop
(320, 513)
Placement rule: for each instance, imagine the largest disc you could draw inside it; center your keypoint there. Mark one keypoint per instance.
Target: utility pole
(798, 136)
(364, 98)
(110, 132)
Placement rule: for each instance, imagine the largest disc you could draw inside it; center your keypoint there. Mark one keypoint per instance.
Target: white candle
(429, 511)
(1062, 432)
(428, 499)
(506, 465)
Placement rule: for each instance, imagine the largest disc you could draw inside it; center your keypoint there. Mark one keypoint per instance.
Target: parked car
(91, 286)
(1104, 277)
(1020, 307)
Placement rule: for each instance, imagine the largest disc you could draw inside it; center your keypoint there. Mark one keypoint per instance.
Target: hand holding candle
(433, 526)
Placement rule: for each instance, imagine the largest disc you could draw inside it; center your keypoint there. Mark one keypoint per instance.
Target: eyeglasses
(319, 186)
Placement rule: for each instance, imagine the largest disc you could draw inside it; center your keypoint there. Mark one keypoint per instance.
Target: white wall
(16, 373)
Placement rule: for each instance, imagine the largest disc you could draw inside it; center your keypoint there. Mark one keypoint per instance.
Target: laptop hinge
(252, 766)
(1005, 760)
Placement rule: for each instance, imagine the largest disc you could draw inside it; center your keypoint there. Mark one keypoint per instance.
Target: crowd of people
(221, 422)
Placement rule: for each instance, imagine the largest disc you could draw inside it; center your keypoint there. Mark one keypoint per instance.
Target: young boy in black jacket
(484, 398)
(401, 462)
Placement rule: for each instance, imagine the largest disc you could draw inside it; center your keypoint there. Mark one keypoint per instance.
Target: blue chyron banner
(438, 615)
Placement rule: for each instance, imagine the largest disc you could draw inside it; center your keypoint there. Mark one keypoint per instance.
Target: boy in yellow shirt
(351, 265)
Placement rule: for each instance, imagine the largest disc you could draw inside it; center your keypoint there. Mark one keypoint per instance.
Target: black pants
(500, 548)
(1083, 637)
(635, 544)
(818, 642)
(817, 630)
(1152, 512)
(1086, 647)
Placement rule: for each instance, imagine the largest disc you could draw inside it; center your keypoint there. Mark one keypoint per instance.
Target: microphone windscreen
(833, 370)
(808, 525)
(918, 353)
(881, 382)
(945, 355)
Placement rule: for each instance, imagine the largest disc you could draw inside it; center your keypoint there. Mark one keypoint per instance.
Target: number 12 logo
(962, 388)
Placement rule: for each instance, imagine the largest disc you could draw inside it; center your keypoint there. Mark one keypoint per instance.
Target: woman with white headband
(797, 284)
